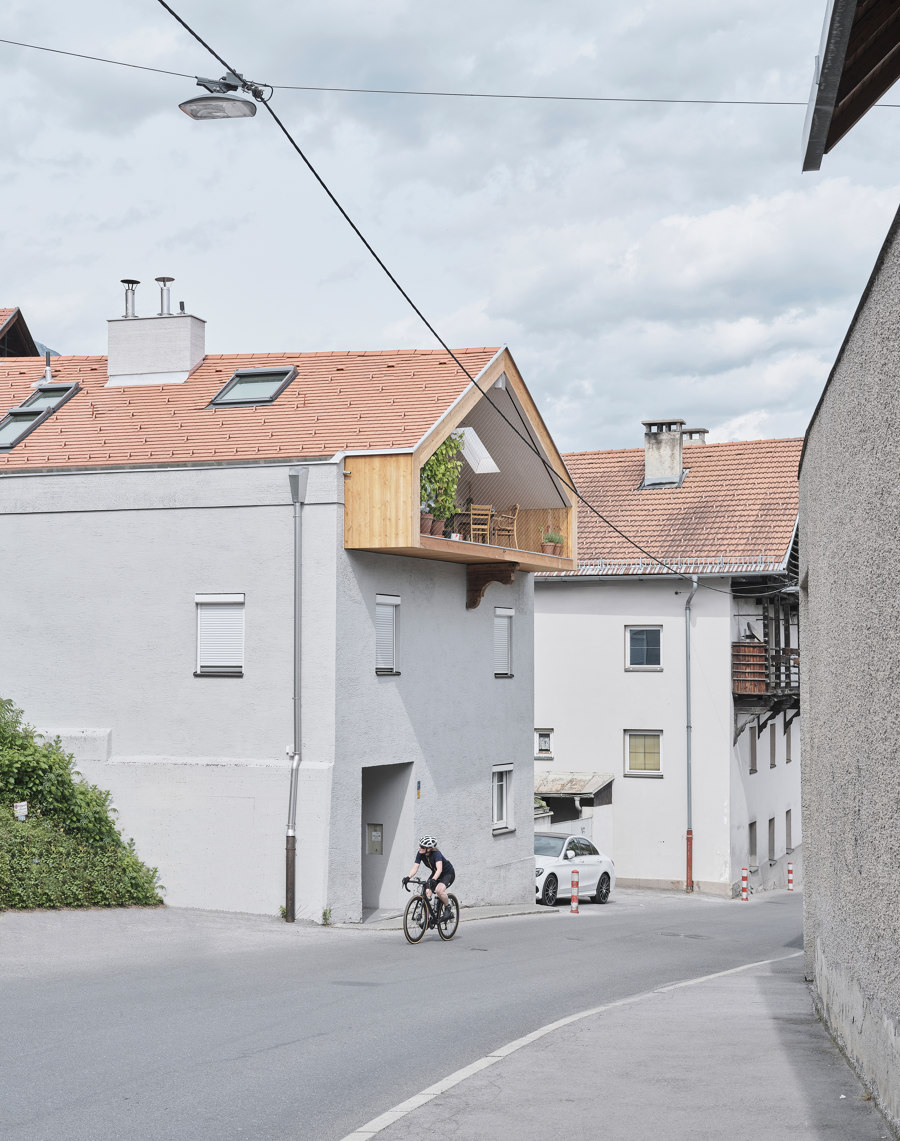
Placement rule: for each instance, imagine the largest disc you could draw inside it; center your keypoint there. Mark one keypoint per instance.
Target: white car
(555, 856)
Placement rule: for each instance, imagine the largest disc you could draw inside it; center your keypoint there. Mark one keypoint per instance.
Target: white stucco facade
(586, 693)
(101, 572)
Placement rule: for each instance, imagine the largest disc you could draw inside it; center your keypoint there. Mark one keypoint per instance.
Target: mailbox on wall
(374, 840)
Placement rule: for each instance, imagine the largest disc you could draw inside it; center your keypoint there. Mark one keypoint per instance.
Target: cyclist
(441, 873)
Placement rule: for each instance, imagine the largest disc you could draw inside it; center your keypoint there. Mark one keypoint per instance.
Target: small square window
(643, 754)
(387, 610)
(501, 797)
(543, 742)
(220, 635)
(254, 386)
(643, 647)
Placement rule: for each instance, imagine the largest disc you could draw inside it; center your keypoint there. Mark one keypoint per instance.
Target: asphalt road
(158, 1025)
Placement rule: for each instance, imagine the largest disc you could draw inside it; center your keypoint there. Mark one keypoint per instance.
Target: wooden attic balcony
(382, 492)
(760, 670)
(381, 514)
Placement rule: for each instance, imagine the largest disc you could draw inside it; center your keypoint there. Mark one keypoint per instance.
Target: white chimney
(662, 452)
(153, 350)
(694, 435)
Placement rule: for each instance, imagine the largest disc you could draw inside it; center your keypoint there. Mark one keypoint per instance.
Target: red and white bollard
(790, 877)
(744, 893)
(574, 908)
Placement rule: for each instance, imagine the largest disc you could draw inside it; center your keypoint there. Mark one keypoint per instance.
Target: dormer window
(42, 403)
(253, 386)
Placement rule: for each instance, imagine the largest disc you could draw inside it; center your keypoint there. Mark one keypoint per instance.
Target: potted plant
(552, 543)
(438, 482)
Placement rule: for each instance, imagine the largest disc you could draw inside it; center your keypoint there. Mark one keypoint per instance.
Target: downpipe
(689, 839)
(298, 478)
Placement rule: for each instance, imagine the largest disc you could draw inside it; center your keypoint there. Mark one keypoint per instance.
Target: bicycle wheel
(415, 919)
(447, 927)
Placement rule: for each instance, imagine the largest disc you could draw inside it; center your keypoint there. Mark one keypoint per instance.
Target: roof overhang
(570, 784)
(858, 61)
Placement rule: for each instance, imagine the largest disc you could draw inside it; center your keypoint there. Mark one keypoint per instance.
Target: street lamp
(220, 103)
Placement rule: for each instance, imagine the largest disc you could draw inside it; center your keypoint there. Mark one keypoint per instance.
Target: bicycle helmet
(428, 842)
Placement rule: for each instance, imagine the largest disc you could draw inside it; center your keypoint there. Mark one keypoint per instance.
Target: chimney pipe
(48, 375)
(662, 452)
(129, 283)
(164, 303)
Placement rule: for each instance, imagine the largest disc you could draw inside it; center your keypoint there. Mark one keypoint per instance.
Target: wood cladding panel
(379, 510)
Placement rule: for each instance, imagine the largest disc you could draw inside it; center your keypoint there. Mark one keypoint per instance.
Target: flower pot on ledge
(437, 527)
(425, 521)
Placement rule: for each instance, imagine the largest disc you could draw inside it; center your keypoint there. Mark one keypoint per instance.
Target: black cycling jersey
(431, 861)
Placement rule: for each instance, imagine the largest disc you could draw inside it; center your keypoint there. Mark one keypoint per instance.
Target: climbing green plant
(439, 477)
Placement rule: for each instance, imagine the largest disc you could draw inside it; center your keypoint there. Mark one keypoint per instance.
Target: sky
(641, 260)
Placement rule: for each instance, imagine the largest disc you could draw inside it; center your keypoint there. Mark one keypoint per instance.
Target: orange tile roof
(5, 315)
(735, 510)
(338, 401)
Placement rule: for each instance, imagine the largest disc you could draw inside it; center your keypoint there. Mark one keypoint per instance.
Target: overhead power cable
(255, 90)
(442, 94)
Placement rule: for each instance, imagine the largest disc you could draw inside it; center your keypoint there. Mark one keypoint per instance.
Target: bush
(40, 866)
(68, 853)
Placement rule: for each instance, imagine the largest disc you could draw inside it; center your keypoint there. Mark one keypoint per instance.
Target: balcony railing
(757, 669)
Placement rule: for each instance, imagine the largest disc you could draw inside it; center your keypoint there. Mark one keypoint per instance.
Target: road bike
(422, 913)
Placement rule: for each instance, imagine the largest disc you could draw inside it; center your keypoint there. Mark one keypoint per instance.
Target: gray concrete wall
(850, 679)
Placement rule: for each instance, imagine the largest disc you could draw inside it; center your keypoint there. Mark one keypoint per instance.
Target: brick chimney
(662, 452)
(153, 350)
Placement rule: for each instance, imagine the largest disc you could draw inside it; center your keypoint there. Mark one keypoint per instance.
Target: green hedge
(68, 852)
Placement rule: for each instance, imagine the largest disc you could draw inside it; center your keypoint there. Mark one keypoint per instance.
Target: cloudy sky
(640, 259)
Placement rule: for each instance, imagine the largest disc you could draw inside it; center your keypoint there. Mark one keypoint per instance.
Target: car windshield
(548, 845)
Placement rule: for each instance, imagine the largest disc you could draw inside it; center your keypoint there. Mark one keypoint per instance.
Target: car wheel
(548, 895)
(602, 893)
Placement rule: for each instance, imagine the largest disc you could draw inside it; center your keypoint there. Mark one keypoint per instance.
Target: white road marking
(378, 1123)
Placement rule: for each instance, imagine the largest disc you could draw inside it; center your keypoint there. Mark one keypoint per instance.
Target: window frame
(213, 600)
(538, 751)
(507, 613)
(630, 667)
(34, 419)
(643, 774)
(393, 601)
(219, 401)
(506, 823)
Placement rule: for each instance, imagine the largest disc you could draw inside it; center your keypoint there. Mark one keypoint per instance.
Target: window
(503, 618)
(501, 798)
(253, 386)
(643, 647)
(584, 847)
(773, 745)
(220, 635)
(787, 742)
(771, 839)
(42, 403)
(788, 844)
(643, 754)
(752, 747)
(752, 839)
(387, 609)
(543, 742)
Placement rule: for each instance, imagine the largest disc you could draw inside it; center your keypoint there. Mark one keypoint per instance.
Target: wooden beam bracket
(479, 577)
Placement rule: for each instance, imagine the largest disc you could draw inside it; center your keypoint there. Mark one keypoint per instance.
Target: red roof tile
(735, 510)
(338, 401)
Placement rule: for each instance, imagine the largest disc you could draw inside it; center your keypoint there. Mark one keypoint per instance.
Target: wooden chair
(505, 528)
(480, 523)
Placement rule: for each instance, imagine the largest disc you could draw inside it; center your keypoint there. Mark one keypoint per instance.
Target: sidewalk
(739, 1055)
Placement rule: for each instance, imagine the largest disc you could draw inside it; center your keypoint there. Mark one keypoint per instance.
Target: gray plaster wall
(99, 622)
(850, 679)
(445, 714)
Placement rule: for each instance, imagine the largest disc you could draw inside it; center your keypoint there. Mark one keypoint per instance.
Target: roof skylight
(254, 386)
(42, 403)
